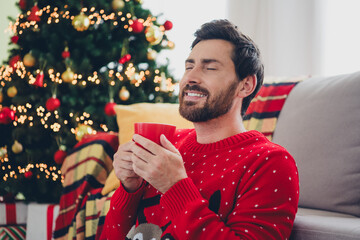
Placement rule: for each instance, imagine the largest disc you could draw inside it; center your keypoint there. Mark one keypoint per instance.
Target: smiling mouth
(192, 94)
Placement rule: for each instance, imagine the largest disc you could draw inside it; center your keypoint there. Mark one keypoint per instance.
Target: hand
(123, 168)
(161, 166)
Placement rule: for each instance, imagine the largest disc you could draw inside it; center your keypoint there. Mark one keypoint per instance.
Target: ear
(247, 86)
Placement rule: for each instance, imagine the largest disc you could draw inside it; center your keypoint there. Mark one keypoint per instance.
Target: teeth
(195, 95)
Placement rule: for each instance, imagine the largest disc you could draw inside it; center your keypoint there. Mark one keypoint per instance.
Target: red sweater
(242, 187)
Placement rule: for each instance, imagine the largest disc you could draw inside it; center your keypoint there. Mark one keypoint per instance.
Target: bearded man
(218, 180)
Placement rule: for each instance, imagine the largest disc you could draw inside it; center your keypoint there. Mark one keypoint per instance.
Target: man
(218, 181)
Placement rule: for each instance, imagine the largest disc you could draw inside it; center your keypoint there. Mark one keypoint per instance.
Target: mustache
(194, 88)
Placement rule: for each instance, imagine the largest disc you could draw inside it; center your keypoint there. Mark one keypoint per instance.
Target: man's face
(208, 86)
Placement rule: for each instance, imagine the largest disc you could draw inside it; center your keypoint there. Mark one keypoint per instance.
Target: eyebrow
(203, 61)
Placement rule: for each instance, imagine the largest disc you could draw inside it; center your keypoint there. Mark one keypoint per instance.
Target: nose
(192, 76)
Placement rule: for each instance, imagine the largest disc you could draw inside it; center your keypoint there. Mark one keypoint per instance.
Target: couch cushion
(324, 225)
(320, 126)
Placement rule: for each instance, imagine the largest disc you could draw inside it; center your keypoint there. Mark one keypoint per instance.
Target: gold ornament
(170, 44)
(17, 147)
(1, 96)
(82, 130)
(68, 75)
(124, 94)
(12, 91)
(117, 5)
(154, 35)
(29, 60)
(81, 22)
(151, 54)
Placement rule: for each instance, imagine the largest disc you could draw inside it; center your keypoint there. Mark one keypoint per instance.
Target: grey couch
(320, 126)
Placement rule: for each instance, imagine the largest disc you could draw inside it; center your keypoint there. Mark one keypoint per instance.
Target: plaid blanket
(85, 171)
(265, 108)
(83, 208)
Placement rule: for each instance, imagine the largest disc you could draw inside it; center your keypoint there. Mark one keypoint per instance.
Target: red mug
(153, 131)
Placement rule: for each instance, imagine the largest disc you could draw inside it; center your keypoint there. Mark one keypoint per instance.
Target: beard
(214, 107)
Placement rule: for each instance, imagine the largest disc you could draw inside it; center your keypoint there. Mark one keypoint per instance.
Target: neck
(218, 129)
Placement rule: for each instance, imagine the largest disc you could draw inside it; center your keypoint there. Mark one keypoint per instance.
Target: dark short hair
(246, 55)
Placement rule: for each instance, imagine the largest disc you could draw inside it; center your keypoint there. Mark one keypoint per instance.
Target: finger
(142, 153)
(140, 172)
(125, 165)
(138, 162)
(128, 173)
(145, 143)
(167, 144)
(126, 147)
(122, 158)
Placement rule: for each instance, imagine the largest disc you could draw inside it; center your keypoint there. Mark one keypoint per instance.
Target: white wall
(284, 31)
(187, 16)
(302, 37)
(8, 8)
(341, 45)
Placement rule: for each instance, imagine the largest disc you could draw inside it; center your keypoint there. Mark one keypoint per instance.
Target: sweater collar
(191, 144)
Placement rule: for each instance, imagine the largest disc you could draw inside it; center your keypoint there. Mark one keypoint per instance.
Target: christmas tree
(70, 62)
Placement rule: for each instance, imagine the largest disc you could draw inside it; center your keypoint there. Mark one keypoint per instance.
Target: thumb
(167, 144)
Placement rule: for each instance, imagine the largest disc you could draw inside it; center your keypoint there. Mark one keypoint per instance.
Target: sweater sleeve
(264, 207)
(122, 213)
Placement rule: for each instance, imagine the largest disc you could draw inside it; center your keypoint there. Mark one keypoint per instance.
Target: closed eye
(189, 66)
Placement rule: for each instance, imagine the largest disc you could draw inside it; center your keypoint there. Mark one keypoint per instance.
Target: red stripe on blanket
(92, 217)
(80, 229)
(275, 89)
(266, 106)
(101, 162)
(111, 138)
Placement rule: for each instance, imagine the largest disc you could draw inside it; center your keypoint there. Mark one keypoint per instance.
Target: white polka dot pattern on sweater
(253, 178)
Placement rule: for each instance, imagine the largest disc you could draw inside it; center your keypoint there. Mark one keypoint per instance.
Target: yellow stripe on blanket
(266, 125)
(86, 161)
(91, 224)
(267, 98)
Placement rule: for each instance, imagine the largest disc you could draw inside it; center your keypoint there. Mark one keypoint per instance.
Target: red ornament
(22, 4)
(122, 60)
(52, 104)
(168, 25)
(137, 26)
(15, 39)
(28, 174)
(125, 58)
(34, 14)
(13, 61)
(65, 54)
(109, 109)
(3, 118)
(60, 156)
(6, 115)
(39, 81)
